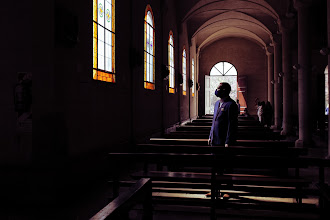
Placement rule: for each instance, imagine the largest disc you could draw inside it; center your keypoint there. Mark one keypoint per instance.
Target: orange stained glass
(148, 85)
(145, 66)
(171, 90)
(102, 76)
(193, 95)
(184, 93)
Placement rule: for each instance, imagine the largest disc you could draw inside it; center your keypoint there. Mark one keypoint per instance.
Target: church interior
(123, 98)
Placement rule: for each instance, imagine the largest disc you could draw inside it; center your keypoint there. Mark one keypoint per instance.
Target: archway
(220, 72)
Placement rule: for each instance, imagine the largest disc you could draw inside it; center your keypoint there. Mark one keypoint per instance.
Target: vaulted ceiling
(256, 20)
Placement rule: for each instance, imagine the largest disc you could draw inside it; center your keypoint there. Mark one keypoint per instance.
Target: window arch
(223, 68)
(171, 62)
(149, 49)
(104, 40)
(184, 71)
(193, 77)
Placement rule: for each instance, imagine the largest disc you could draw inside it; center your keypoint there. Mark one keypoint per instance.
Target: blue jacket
(224, 124)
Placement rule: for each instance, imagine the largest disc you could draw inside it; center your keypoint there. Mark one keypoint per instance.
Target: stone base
(302, 143)
(287, 133)
(275, 128)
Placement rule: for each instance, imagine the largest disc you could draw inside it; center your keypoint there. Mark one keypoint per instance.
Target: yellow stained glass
(113, 53)
(145, 66)
(95, 10)
(193, 94)
(113, 16)
(154, 70)
(171, 90)
(94, 74)
(184, 93)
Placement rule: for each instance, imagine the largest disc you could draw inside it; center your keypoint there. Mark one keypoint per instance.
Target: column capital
(302, 3)
(287, 24)
(276, 39)
(269, 50)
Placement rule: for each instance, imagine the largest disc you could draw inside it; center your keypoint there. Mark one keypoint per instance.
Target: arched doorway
(220, 72)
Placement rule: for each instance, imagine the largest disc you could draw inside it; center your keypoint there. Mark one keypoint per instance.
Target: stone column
(286, 27)
(270, 81)
(304, 73)
(277, 93)
(328, 6)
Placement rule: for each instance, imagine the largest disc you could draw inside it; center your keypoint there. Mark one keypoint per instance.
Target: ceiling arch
(259, 6)
(232, 32)
(210, 20)
(237, 24)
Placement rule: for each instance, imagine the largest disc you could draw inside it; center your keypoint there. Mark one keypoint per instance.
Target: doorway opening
(220, 72)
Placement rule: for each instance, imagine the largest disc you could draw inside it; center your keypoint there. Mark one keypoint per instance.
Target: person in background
(238, 107)
(268, 114)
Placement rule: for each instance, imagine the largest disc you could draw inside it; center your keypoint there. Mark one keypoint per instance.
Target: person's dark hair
(226, 86)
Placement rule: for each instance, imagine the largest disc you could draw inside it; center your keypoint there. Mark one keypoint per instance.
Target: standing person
(268, 114)
(260, 111)
(224, 125)
(238, 107)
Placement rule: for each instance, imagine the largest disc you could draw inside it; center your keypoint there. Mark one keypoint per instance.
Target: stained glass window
(104, 40)
(184, 72)
(171, 62)
(149, 50)
(193, 77)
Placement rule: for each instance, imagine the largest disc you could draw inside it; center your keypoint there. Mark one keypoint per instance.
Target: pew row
(118, 209)
(216, 181)
(203, 142)
(272, 150)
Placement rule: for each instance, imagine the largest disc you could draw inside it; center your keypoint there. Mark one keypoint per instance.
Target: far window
(149, 50)
(193, 77)
(171, 62)
(184, 72)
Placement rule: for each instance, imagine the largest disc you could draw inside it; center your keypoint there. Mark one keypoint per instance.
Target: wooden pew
(208, 128)
(213, 161)
(118, 209)
(280, 150)
(324, 201)
(203, 142)
(247, 135)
